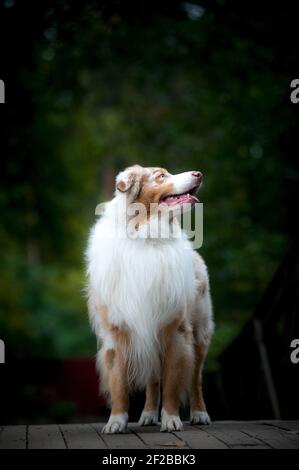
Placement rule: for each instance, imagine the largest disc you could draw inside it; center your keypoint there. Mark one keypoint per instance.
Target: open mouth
(179, 199)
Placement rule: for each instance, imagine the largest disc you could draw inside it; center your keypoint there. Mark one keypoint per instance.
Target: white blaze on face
(184, 187)
(183, 182)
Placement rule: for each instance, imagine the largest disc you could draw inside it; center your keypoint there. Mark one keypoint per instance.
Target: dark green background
(92, 87)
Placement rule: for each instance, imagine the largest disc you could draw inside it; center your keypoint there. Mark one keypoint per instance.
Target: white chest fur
(140, 281)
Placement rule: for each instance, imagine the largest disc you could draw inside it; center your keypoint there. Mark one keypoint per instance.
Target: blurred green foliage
(101, 88)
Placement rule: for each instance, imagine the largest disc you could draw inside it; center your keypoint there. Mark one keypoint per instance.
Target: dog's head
(157, 186)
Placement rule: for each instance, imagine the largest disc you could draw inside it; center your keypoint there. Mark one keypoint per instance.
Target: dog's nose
(197, 174)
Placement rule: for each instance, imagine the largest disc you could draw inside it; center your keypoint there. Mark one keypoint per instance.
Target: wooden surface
(218, 435)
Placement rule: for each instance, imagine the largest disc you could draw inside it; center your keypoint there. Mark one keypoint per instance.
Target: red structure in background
(79, 383)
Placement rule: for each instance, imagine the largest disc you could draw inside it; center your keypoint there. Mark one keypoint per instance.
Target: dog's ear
(129, 180)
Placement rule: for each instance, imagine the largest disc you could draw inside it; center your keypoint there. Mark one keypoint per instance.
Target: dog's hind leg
(150, 413)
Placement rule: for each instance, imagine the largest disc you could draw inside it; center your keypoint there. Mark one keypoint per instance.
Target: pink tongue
(183, 199)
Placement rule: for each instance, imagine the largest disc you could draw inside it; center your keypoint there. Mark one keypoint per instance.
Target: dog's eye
(162, 176)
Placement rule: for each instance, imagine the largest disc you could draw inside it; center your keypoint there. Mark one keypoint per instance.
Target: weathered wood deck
(218, 435)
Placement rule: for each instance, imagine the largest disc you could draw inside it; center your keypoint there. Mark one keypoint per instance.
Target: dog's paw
(200, 417)
(148, 417)
(170, 423)
(116, 424)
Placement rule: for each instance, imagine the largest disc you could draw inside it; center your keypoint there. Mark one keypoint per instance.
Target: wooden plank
(81, 436)
(260, 446)
(201, 440)
(242, 426)
(234, 422)
(233, 436)
(45, 437)
(154, 439)
(287, 425)
(126, 440)
(13, 437)
(268, 434)
(275, 437)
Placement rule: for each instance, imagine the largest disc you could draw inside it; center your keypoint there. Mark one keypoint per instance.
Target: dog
(149, 299)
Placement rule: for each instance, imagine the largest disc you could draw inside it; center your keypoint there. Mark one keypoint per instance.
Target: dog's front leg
(175, 377)
(118, 388)
(150, 413)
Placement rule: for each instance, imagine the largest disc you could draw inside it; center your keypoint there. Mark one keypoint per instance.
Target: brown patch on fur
(118, 385)
(150, 195)
(121, 185)
(168, 330)
(115, 365)
(109, 358)
(177, 364)
(152, 396)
